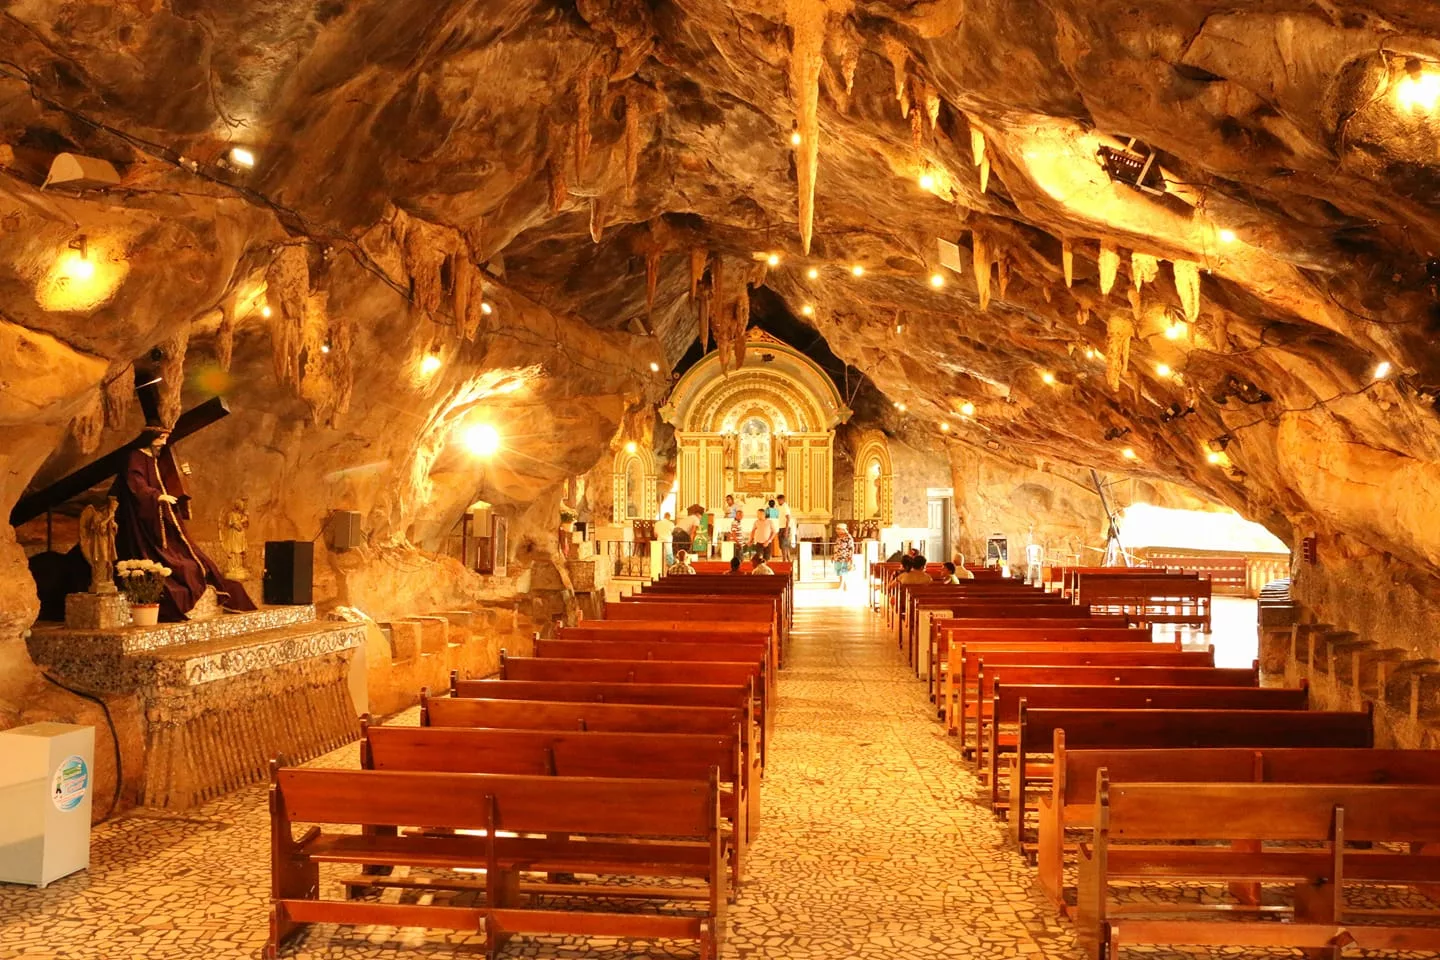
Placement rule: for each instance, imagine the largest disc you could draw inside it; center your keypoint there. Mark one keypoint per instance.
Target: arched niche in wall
(874, 479)
(636, 484)
(764, 429)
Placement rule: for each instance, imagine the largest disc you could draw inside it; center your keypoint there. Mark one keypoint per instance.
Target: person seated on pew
(955, 573)
(759, 564)
(735, 565)
(681, 564)
(914, 571)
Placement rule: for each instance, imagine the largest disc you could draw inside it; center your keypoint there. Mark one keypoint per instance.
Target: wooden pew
(1024, 631)
(1103, 729)
(1006, 699)
(1070, 575)
(594, 691)
(691, 610)
(642, 671)
(923, 605)
(677, 822)
(1173, 599)
(1322, 825)
(1070, 804)
(988, 670)
(994, 608)
(549, 753)
(962, 676)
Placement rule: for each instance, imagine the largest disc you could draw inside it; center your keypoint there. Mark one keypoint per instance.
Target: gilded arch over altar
(764, 429)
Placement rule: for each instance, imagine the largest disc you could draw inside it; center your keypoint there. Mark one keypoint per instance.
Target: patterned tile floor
(871, 848)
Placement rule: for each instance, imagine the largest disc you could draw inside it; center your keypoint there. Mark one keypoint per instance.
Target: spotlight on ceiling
(1134, 165)
(1419, 89)
(1163, 369)
(654, 367)
(430, 364)
(265, 311)
(1382, 369)
(241, 157)
(795, 139)
(808, 310)
(857, 270)
(1129, 453)
(485, 308)
(967, 409)
(1047, 378)
(927, 181)
(944, 427)
(813, 273)
(773, 260)
(937, 280)
(631, 447)
(481, 439)
(324, 348)
(1175, 331)
(899, 406)
(1226, 235)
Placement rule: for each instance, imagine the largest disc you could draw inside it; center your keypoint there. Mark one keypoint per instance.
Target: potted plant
(143, 583)
(567, 518)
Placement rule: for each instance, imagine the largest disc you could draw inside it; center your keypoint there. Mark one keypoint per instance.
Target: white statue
(97, 543)
(233, 542)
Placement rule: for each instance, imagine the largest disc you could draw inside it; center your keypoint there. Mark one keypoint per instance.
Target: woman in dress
(844, 554)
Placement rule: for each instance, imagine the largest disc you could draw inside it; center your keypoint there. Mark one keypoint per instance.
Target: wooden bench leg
(1247, 893)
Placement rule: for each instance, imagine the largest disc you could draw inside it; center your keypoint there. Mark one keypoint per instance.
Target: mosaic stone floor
(870, 848)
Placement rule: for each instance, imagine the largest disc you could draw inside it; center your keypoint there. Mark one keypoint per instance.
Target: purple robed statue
(153, 506)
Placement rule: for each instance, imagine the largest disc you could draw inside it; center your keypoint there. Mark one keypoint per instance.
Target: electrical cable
(114, 740)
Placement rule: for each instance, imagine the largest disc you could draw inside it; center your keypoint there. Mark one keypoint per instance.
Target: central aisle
(870, 846)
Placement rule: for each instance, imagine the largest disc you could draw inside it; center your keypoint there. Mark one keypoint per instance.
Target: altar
(763, 430)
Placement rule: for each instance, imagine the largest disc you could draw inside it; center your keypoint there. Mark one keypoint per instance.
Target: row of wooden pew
(1122, 762)
(622, 762)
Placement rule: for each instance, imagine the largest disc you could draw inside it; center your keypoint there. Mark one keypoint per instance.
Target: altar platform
(219, 698)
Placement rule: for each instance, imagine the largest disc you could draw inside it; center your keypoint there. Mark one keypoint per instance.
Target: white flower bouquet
(142, 581)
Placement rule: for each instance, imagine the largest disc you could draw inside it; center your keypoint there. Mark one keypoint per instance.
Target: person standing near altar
(152, 507)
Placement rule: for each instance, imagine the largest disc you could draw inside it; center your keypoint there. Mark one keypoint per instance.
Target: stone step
(193, 664)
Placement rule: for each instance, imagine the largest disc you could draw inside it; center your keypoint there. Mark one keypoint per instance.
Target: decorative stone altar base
(220, 698)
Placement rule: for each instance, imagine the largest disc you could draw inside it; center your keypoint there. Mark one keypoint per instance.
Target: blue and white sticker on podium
(72, 779)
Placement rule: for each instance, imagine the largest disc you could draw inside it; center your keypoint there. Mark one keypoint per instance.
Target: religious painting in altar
(755, 446)
(635, 484)
(874, 486)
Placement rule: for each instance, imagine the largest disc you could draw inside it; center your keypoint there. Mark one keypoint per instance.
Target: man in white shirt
(785, 532)
(664, 531)
(762, 535)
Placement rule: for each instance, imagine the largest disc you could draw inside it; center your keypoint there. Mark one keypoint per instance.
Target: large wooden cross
(73, 484)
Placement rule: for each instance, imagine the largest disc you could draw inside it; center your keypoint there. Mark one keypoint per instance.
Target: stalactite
(652, 277)
(982, 160)
(1187, 287)
(1220, 330)
(425, 248)
(932, 106)
(703, 308)
(584, 99)
(172, 375)
(917, 134)
(342, 364)
(632, 144)
(1109, 264)
(89, 424)
(597, 219)
(1067, 260)
(1119, 330)
(698, 259)
(225, 334)
(899, 58)
(718, 309)
(1002, 270)
(559, 189)
(807, 43)
(316, 387)
(288, 283)
(468, 296)
(1137, 308)
(1143, 269)
(980, 252)
(1082, 315)
(119, 392)
(849, 60)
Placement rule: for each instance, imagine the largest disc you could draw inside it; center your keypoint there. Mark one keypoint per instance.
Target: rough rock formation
(518, 192)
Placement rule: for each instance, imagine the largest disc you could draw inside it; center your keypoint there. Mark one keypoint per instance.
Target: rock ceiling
(604, 174)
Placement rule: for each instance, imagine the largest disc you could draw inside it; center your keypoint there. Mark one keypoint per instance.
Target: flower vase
(144, 614)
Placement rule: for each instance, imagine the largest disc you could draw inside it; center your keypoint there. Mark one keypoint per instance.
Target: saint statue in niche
(153, 508)
(634, 485)
(754, 446)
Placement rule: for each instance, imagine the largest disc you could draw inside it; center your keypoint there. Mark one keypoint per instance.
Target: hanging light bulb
(795, 139)
(324, 348)
(937, 280)
(1227, 236)
(1163, 369)
(858, 270)
(1419, 89)
(927, 181)
(1089, 353)
(808, 310)
(944, 427)
(1047, 378)
(773, 259)
(654, 367)
(813, 273)
(485, 308)
(430, 364)
(242, 157)
(967, 409)
(1128, 453)
(1175, 331)
(265, 311)
(1382, 369)
(630, 447)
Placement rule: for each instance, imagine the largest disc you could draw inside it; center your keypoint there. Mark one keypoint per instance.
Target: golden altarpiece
(764, 429)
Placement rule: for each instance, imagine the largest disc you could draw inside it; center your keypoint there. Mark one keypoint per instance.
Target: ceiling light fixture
(1128, 453)
(324, 348)
(1175, 331)
(795, 139)
(430, 364)
(945, 427)
(1163, 369)
(813, 273)
(1226, 236)
(937, 280)
(1419, 88)
(75, 262)
(1382, 369)
(808, 310)
(242, 157)
(1047, 378)
(481, 439)
(265, 311)
(654, 367)
(927, 181)
(967, 409)
(485, 308)
(1215, 457)
(631, 447)
(858, 270)
(773, 259)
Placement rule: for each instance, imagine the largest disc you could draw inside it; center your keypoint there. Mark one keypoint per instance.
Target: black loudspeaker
(289, 571)
(344, 529)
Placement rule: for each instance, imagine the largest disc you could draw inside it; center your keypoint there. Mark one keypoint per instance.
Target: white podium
(47, 776)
